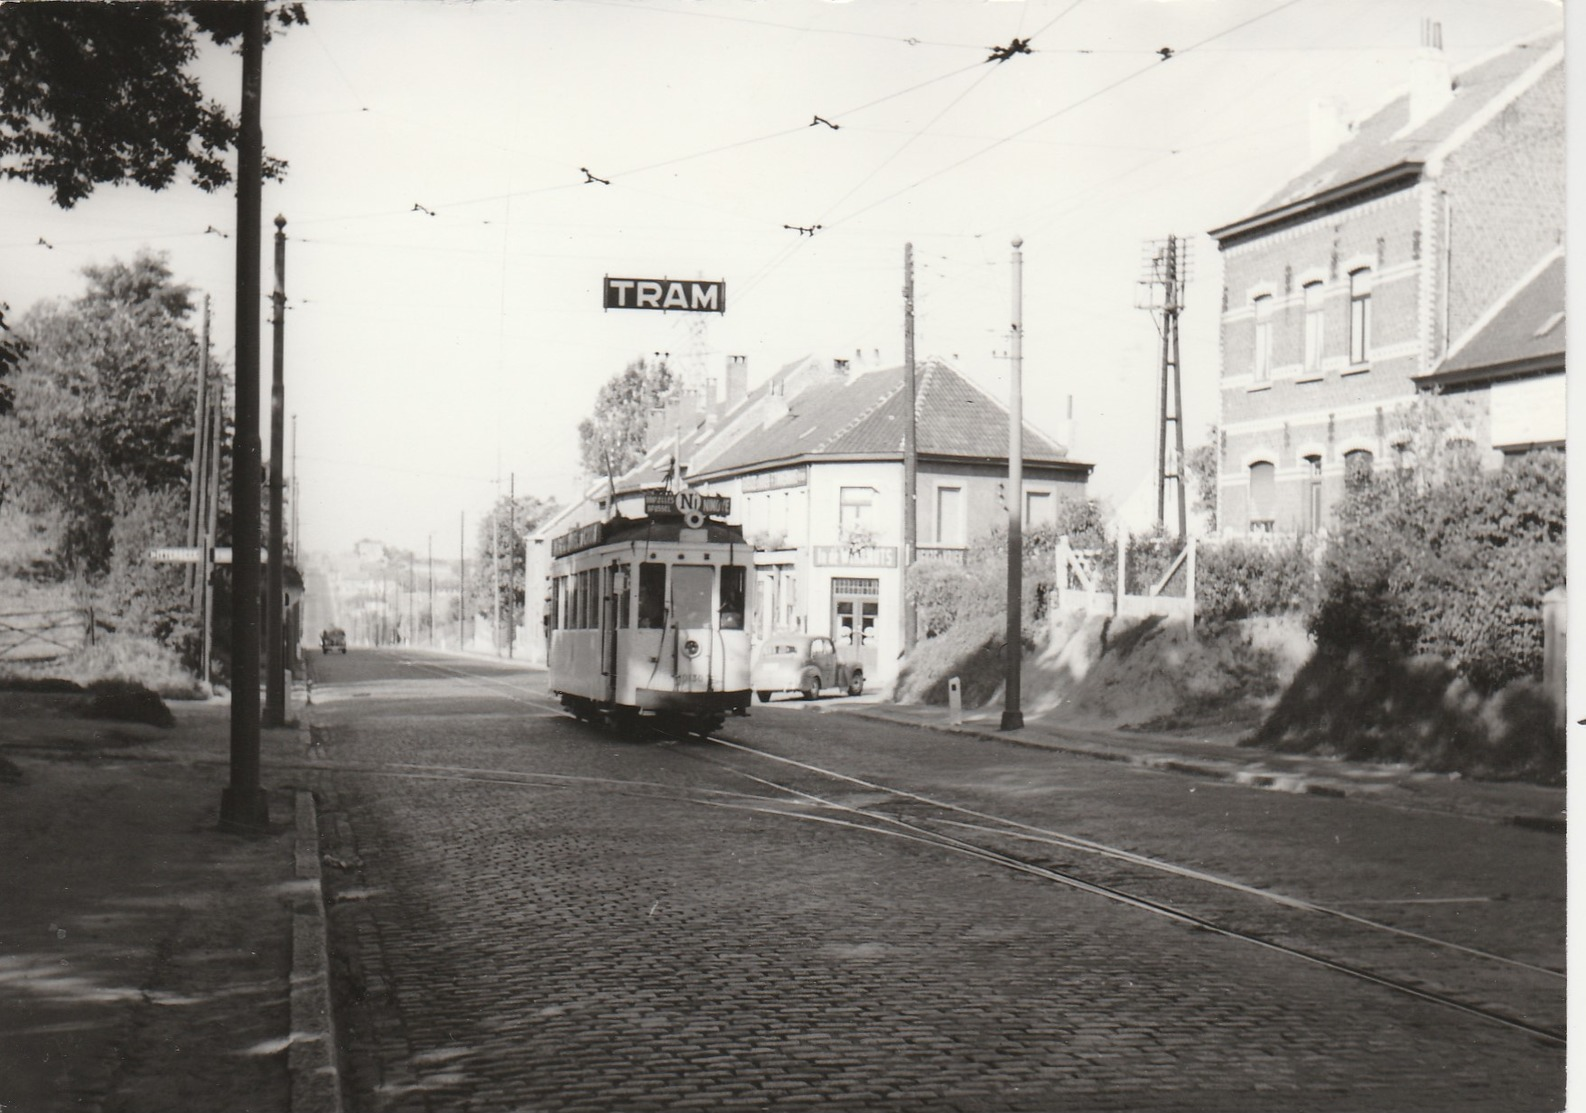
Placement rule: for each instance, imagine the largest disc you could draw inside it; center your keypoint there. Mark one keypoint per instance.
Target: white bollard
(955, 703)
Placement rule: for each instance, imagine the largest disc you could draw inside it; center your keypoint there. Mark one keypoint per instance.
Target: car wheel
(811, 687)
(765, 697)
(856, 683)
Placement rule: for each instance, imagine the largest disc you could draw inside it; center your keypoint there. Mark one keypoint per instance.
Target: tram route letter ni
(666, 294)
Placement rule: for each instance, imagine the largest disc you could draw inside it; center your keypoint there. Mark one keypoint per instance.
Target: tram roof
(660, 528)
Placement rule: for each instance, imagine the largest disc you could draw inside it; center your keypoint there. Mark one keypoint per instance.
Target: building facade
(1346, 294)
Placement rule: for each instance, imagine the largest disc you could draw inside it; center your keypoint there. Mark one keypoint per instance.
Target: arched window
(1263, 495)
(1357, 469)
(1313, 494)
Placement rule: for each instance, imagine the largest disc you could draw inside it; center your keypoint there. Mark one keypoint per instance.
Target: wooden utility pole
(1012, 715)
(244, 806)
(911, 462)
(275, 578)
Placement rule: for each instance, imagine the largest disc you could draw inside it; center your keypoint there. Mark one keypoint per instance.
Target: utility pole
(244, 806)
(495, 562)
(197, 489)
(274, 641)
(296, 543)
(512, 562)
(1012, 716)
(911, 461)
(1167, 267)
(207, 538)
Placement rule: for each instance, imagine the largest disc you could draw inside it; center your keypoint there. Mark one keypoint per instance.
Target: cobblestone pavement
(528, 913)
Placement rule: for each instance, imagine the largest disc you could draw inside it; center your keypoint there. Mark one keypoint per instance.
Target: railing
(1079, 584)
(44, 635)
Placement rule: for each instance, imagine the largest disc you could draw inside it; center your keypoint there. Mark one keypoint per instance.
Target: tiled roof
(1378, 144)
(1526, 327)
(865, 417)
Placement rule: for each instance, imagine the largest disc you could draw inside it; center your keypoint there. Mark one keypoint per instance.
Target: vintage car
(803, 663)
(334, 638)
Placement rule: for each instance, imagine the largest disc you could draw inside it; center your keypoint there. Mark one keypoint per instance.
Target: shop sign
(659, 502)
(583, 537)
(776, 480)
(866, 556)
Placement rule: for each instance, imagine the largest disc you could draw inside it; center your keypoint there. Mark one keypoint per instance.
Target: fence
(39, 636)
(1080, 586)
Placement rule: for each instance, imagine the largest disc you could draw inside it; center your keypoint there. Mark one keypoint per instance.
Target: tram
(649, 616)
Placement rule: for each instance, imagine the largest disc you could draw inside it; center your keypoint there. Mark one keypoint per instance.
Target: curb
(311, 1059)
(1294, 783)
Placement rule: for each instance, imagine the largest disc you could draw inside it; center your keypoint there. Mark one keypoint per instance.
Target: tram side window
(624, 573)
(553, 612)
(570, 602)
(652, 596)
(732, 596)
(591, 596)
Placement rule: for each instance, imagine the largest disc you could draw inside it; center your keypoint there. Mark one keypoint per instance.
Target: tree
(96, 93)
(614, 438)
(1201, 464)
(104, 403)
(504, 530)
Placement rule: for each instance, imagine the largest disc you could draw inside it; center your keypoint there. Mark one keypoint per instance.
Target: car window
(784, 650)
(820, 645)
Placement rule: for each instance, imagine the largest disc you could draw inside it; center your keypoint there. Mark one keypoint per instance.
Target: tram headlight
(691, 648)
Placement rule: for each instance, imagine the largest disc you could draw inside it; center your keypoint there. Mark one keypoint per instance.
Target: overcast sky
(431, 357)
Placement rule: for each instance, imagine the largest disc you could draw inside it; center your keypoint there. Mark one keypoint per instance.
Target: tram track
(1492, 987)
(1187, 905)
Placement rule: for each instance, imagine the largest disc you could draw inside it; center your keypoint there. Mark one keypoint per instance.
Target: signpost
(683, 295)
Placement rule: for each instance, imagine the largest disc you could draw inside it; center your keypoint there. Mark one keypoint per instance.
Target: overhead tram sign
(666, 294)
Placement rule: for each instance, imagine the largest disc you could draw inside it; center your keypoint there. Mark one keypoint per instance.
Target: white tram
(650, 615)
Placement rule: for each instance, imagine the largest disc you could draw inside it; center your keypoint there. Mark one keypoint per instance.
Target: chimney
(1328, 127)
(737, 381)
(1431, 79)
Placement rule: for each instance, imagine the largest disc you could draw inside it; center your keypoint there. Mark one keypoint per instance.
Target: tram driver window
(691, 591)
(652, 596)
(732, 595)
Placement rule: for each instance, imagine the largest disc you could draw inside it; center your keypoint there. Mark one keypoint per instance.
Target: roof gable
(1525, 327)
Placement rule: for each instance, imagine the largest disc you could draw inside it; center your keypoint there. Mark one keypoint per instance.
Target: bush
(127, 701)
(1456, 568)
(1244, 579)
(135, 660)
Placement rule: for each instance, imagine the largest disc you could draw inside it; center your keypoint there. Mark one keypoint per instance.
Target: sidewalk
(149, 961)
(1397, 786)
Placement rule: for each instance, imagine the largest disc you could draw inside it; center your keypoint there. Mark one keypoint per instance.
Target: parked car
(334, 638)
(804, 663)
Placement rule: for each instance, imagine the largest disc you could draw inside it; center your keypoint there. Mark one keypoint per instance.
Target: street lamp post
(1012, 716)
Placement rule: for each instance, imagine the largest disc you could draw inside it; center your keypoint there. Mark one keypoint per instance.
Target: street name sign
(189, 555)
(683, 295)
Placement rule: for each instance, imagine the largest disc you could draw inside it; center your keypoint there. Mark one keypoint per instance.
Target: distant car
(803, 663)
(334, 638)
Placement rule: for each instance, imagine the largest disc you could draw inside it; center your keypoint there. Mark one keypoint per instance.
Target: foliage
(1243, 579)
(946, 594)
(1200, 466)
(95, 93)
(1452, 562)
(505, 529)
(145, 598)
(614, 438)
(104, 402)
(1361, 706)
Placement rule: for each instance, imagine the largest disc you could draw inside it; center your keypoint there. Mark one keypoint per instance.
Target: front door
(856, 620)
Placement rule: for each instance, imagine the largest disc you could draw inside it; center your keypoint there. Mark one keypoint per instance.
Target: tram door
(615, 584)
(856, 620)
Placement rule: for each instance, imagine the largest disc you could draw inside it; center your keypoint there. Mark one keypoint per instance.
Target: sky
(447, 239)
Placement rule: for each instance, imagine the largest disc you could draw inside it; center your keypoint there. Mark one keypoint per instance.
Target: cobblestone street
(529, 913)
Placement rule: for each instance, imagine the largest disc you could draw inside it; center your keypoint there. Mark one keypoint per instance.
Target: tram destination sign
(670, 503)
(666, 294)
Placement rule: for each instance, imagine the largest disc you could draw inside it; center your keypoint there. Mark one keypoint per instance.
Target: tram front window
(652, 596)
(691, 596)
(732, 596)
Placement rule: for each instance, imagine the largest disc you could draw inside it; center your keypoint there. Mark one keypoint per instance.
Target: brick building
(1401, 262)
